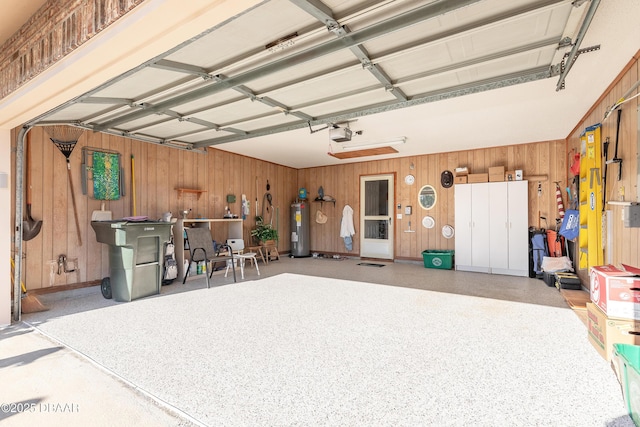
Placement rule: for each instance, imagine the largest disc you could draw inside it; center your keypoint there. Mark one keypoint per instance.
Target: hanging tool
(133, 186)
(66, 138)
(267, 203)
(30, 227)
(615, 151)
(605, 151)
(256, 196)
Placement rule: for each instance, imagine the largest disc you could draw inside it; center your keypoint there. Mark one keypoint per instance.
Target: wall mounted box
(632, 216)
(462, 171)
(477, 177)
(460, 179)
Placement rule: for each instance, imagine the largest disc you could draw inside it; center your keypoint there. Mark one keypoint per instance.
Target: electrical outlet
(399, 216)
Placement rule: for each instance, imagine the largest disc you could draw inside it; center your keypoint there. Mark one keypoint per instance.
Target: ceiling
(445, 75)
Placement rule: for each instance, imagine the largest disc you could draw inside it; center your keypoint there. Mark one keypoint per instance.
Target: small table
(271, 252)
(266, 252)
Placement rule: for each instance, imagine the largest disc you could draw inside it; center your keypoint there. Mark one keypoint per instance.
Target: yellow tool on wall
(590, 207)
(133, 186)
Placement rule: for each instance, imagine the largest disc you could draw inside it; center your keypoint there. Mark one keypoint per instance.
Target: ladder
(590, 240)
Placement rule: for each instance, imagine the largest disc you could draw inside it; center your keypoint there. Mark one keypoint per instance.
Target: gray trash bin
(135, 257)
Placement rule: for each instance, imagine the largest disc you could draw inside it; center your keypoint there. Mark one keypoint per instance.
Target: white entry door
(376, 220)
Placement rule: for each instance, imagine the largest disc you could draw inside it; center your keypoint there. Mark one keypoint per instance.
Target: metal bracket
(575, 58)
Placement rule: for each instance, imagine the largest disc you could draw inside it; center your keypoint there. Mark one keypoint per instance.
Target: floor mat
(327, 256)
(370, 264)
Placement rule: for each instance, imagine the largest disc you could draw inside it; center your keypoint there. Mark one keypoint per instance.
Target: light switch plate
(399, 216)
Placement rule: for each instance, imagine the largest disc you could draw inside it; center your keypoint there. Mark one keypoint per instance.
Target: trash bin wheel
(105, 287)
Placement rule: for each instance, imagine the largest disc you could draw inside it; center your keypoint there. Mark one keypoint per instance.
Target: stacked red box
(616, 291)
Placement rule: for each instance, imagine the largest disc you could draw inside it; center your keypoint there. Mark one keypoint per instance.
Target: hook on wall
(62, 265)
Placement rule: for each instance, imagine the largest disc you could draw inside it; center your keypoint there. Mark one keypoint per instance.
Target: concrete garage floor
(50, 383)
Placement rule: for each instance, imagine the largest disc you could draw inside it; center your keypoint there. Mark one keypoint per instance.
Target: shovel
(30, 227)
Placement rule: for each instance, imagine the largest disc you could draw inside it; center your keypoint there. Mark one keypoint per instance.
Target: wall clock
(447, 231)
(428, 222)
(409, 179)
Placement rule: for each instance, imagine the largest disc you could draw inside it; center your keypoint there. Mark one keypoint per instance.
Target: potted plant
(264, 233)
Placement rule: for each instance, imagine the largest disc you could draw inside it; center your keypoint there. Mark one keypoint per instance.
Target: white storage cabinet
(492, 227)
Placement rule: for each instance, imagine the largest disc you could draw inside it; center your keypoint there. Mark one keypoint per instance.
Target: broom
(28, 303)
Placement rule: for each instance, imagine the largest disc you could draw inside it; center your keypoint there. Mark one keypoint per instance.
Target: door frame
(366, 243)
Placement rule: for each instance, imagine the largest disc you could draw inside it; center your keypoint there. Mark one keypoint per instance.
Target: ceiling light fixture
(374, 144)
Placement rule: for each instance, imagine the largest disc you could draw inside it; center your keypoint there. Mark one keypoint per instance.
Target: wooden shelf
(322, 202)
(536, 178)
(190, 191)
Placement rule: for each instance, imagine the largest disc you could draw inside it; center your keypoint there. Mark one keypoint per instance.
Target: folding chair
(237, 248)
(201, 249)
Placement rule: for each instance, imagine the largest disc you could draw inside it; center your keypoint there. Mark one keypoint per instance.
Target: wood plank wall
(626, 241)
(546, 159)
(158, 171)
